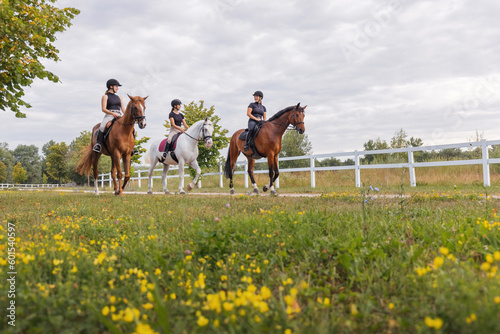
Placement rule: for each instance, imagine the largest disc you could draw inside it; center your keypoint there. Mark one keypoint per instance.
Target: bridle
(203, 130)
(137, 119)
(293, 125)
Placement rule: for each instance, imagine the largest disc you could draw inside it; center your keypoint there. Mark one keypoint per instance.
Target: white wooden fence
(28, 186)
(485, 161)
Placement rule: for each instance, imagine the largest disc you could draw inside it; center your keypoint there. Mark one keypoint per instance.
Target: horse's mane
(279, 113)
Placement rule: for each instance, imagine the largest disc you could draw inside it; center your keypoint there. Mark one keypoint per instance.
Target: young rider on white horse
(177, 120)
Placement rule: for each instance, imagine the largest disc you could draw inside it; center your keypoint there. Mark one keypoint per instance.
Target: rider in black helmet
(177, 120)
(256, 113)
(113, 107)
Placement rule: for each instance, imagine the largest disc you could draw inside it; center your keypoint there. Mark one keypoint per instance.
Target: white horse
(186, 151)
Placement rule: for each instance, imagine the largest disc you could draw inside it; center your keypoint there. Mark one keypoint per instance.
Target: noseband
(137, 119)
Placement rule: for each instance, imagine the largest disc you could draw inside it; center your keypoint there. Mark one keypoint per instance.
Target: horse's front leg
(126, 167)
(116, 167)
(272, 161)
(181, 177)
(164, 178)
(251, 166)
(197, 168)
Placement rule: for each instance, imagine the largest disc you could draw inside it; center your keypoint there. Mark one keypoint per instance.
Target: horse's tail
(86, 161)
(228, 172)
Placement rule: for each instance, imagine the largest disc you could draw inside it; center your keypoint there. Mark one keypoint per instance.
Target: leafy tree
(373, 145)
(46, 151)
(28, 32)
(7, 158)
(138, 146)
(58, 161)
(3, 172)
(207, 157)
(19, 174)
(31, 160)
(295, 145)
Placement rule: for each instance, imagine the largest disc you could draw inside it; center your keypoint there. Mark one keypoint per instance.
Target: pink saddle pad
(161, 148)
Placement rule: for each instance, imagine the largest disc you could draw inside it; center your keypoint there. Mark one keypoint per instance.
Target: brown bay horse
(118, 145)
(267, 144)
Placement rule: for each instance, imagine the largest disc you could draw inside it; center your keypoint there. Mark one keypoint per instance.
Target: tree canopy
(27, 35)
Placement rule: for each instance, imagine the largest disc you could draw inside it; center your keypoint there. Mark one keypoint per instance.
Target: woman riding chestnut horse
(267, 143)
(119, 143)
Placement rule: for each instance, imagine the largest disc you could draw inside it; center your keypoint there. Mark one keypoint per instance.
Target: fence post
(313, 174)
(486, 166)
(110, 180)
(246, 174)
(356, 169)
(221, 183)
(413, 181)
(139, 179)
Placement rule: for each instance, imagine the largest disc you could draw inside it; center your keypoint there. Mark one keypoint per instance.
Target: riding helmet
(112, 82)
(258, 93)
(175, 102)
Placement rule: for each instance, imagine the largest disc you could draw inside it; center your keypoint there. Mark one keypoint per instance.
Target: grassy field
(345, 262)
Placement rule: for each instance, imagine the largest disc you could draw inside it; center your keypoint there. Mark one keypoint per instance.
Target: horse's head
(296, 118)
(138, 110)
(207, 131)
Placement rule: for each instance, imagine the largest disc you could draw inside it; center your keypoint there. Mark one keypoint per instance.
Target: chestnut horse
(118, 145)
(267, 144)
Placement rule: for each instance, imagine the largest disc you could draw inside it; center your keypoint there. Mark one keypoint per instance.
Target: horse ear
(131, 97)
(144, 98)
(206, 119)
(298, 106)
(304, 108)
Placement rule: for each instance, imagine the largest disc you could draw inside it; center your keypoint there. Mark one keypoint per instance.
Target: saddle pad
(243, 135)
(163, 143)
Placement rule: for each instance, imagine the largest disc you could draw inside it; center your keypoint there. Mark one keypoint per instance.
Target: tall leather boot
(98, 146)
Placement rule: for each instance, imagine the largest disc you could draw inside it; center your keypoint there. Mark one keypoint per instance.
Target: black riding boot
(98, 146)
(167, 148)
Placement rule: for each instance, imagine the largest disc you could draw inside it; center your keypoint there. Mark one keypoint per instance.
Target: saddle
(251, 139)
(109, 125)
(165, 147)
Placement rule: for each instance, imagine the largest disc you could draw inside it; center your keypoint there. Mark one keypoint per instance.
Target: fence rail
(28, 186)
(485, 161)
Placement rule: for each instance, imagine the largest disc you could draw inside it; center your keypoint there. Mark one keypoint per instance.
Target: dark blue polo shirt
(258, 109)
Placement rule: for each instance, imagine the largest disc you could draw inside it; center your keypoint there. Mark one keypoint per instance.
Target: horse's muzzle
(300, 131)
(142, 124)
(209, 143)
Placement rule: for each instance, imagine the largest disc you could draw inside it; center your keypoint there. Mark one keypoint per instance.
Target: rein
(204, 137)
(294, 126)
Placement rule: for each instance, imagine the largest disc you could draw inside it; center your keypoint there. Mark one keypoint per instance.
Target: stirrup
(97, 148)
(134, 152)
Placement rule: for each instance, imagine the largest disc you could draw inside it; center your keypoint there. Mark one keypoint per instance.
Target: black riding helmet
(175, 102)
(258, 93)
(112, 82)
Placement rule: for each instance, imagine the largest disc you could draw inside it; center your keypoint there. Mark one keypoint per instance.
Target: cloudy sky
(364, 68)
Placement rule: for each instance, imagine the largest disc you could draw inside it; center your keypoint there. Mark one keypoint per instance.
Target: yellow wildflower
(265, 292)
(444, 250)
(485, 266)
(105, 310)
(438, 262)
(434, 323)
(144, 329)
(202, 321)
(496, 256)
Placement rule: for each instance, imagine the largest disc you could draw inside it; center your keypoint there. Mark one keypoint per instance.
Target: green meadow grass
(339, 263)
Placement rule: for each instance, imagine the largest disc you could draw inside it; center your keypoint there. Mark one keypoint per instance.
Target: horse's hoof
(150, 192)
(274, 193)
(255, 190)
(167, 192)
(190, 187)
(232, 192)
(182, 192)
(266, 188)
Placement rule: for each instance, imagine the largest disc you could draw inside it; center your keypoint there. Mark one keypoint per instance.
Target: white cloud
(365, 69)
